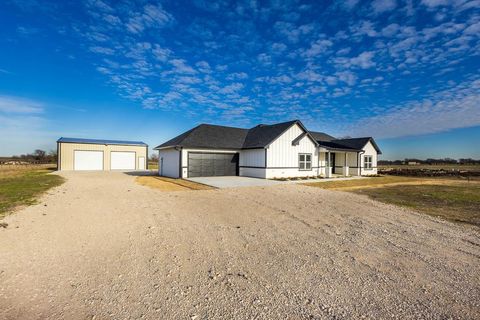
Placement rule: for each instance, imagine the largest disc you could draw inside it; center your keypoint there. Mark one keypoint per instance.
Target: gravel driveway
(102, 247)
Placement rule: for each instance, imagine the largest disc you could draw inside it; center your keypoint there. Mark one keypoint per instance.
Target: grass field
(433, 167)
(21, 185)
(452, 199)
(152, 165)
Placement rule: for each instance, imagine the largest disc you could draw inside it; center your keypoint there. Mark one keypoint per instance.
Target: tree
(39, 154)
(154, 157)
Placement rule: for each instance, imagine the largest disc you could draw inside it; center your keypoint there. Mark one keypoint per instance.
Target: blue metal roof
(99, 141)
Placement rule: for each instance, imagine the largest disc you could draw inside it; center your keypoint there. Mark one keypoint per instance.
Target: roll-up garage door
(122, 160)
(87, 160)
(203, 164)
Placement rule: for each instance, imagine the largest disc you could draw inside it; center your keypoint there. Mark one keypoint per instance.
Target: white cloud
(380, 6)
(350, 4)
(102, 50)
(456, 107)
(10, 104)
(317, 48)
(151, 17)
(435, 3)
(181, 66)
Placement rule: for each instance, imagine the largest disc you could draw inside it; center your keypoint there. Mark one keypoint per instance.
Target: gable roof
(209, 136)
(358, 143)
(321, 136)
(100, 141)
(262, 135)
(222, 137)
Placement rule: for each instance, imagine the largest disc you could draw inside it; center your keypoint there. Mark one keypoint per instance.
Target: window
(305, 161)
(367, 164)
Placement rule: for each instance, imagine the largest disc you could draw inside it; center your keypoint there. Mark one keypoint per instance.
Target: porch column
(345, 166)
(328, 169)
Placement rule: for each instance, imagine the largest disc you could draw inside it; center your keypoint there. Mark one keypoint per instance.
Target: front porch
(340, 163)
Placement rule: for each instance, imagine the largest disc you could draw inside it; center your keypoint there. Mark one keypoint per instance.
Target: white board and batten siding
(282, 156)
(252, 163)
(169, 163)
(369, 151)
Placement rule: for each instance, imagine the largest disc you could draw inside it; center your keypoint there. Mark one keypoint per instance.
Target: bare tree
(154, 157)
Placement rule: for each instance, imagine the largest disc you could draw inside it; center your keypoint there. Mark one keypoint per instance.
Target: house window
(305, 161)
(367, 163)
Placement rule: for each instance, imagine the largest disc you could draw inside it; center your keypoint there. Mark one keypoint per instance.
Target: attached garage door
(201, 164)
(122, 160)
(87, 160)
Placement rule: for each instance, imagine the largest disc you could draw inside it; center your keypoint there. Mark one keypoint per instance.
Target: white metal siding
(66, 152)
(169, 162)
(252, 158)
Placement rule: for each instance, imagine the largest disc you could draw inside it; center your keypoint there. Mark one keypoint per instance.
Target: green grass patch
(23, 187)
(458, 202)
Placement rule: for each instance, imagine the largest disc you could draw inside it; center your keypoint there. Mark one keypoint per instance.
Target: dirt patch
(168, 184)
(105, 247)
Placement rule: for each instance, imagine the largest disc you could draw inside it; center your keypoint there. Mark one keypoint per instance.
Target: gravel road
(102, 247)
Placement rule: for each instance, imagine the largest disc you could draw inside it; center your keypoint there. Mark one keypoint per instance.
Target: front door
(332, 161)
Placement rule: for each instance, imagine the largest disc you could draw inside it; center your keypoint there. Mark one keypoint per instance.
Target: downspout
(58, 156)
(318, 161)
(180, 171)
(359, 165)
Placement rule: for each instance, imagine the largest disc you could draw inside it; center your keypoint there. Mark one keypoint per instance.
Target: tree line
(431, 161)
(37, 156)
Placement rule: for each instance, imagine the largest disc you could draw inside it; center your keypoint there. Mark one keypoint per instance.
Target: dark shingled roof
(209, 136)
(221, 137)
(99, 141)
(261, 135)
(357, 143)
(321, 136)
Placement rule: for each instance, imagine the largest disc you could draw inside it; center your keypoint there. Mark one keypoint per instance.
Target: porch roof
(332, 146)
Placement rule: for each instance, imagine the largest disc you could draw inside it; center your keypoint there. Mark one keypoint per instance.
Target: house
(94, 154)
(279, 150)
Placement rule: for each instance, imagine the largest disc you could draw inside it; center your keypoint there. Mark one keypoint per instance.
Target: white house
(280, 150)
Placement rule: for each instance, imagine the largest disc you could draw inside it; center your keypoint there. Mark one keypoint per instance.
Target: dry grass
(452, 199)
(363, 183)
(460, 167)
(169, 184)
(8, 171)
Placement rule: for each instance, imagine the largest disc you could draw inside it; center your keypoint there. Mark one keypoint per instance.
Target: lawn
(22, 185)
(452, 199)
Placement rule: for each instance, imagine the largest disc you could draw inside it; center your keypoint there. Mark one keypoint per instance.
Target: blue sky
(405, 72)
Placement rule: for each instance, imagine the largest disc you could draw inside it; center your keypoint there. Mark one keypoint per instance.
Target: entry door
(332, 161)
(203, 164)
(122, 160)
(141, 163)
(87, 160)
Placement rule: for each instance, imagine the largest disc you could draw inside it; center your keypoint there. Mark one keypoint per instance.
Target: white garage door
(87, 160)
(122, 160)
